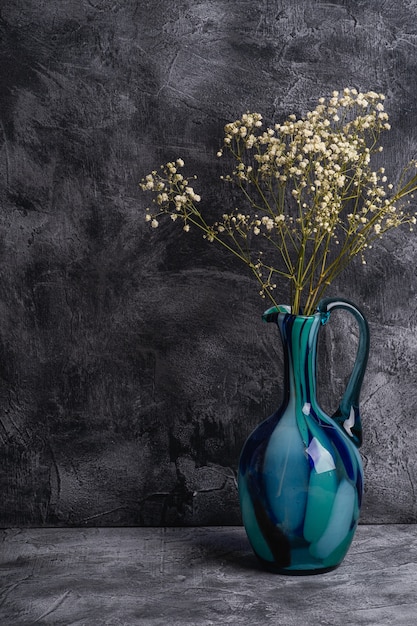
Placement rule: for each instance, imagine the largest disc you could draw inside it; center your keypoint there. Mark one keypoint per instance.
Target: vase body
(300, 473)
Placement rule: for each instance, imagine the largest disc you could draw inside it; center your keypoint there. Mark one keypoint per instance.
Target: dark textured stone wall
(133, 364)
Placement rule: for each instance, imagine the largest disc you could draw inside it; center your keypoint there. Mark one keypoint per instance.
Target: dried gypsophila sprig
(314, 198)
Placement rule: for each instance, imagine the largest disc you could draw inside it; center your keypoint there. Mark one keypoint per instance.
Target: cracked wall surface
(134, 364)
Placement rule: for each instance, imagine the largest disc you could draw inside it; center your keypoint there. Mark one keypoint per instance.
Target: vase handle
(347, 415)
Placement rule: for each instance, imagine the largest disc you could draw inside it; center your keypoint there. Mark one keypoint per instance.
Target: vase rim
(285, 309)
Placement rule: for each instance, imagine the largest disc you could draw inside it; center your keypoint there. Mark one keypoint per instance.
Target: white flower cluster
(174, 195)
(314, 199)
(321, 158)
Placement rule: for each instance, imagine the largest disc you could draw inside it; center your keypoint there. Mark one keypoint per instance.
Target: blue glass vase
(300, 473)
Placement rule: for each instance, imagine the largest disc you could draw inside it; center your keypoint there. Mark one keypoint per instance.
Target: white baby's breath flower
(311, 188)
(162, 197)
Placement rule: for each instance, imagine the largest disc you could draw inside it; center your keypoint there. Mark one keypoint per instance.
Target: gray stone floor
(198, 577)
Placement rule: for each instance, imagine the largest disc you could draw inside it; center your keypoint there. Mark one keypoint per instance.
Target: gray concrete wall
(133, 364)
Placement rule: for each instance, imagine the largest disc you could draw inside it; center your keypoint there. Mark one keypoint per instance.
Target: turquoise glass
(300, 473)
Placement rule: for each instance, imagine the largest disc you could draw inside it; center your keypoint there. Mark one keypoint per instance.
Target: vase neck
(299, 340)
(299, 337)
